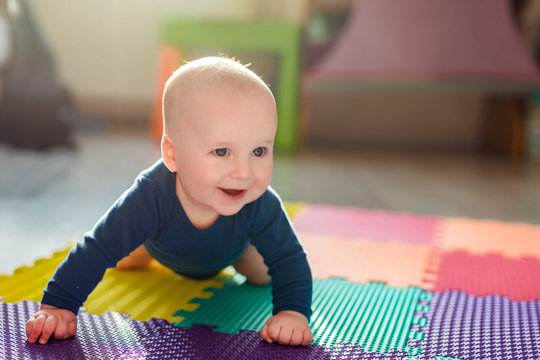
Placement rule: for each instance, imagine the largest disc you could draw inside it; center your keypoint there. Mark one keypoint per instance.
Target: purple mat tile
(200, 342)
(478, 328)
(111, 336)
(98, 337)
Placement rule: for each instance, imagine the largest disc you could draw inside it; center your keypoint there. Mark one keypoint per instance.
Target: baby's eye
(259, 151)
(221, 152)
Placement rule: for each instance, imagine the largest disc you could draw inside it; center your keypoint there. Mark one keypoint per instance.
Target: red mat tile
(519, 279)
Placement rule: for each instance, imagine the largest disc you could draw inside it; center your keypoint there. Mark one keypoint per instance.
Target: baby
(206, 204)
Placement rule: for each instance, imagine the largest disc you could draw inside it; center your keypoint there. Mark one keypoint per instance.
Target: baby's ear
(167, 153)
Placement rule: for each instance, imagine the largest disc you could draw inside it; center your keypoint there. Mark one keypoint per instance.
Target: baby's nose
(241, 169)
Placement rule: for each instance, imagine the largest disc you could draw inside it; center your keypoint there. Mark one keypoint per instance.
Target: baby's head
(219, 127)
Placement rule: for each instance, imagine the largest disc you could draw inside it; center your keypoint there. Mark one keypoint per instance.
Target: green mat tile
(373, 315)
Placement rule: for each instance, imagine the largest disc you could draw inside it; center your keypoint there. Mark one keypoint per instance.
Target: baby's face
(223, 148)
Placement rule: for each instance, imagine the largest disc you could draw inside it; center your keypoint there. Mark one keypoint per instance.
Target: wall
(107, 50)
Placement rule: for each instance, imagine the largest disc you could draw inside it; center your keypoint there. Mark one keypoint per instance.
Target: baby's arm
(133, 218)
(287, 328)
(292, 285)
(50, 320)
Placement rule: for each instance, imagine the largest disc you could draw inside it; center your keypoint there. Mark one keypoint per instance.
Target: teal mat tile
(374, 315)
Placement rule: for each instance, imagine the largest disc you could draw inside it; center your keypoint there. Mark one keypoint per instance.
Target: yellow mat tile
(28, 282)
(153, 291)
(294, 208)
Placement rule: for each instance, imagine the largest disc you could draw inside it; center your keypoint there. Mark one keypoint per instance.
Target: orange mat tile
(483, 237)
(361, 261)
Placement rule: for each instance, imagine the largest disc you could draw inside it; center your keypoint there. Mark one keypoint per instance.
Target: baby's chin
(229, 210)
(235, 208)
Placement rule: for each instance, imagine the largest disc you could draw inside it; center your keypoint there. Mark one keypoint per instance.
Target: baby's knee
(259, 280)
(137, 258)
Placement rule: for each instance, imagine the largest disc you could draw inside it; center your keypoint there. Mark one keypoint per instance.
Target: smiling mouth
(233, 192)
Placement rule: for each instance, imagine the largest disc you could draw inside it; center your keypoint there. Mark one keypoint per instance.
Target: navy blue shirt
(150, 213)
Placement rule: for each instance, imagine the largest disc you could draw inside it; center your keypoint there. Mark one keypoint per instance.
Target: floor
(50, 199)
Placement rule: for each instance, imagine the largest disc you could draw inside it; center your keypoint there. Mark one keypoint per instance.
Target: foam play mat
(386, 286)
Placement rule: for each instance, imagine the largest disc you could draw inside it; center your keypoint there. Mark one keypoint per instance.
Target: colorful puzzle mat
(386, 286)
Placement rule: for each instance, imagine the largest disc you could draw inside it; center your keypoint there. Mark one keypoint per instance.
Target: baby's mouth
(233, 192)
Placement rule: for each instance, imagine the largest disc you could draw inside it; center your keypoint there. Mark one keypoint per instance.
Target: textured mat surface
(483, 237)
(362, 261)
(112, 336)
(374, 225)
(28, 282)
(478, 261)
(519, 279)
(375, 316)
(478, 328)
(153, 291)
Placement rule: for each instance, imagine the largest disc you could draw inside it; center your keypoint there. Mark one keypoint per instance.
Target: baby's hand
(51, 320)
(287, 328)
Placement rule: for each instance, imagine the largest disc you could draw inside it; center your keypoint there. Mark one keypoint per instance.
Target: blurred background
(411, 106)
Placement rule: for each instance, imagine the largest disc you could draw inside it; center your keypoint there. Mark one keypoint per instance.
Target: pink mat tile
(373, 225)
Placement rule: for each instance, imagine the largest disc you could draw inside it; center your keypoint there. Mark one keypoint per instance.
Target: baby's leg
(252, 266)
(137, 258)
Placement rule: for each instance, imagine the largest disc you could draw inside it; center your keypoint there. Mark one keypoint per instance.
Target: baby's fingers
(307, 337)
(264, 334)
(34, 326)
(296, 337)
(285, 336)
(72, 328)
(48, 329)
(270, 332)
(60, 332)
(30, 327)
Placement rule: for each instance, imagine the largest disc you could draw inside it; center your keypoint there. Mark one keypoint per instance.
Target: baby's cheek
(265, 181)
(258, 190)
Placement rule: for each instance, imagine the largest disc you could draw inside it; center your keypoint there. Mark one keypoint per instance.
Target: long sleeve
(273, 236)
(133, 218)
